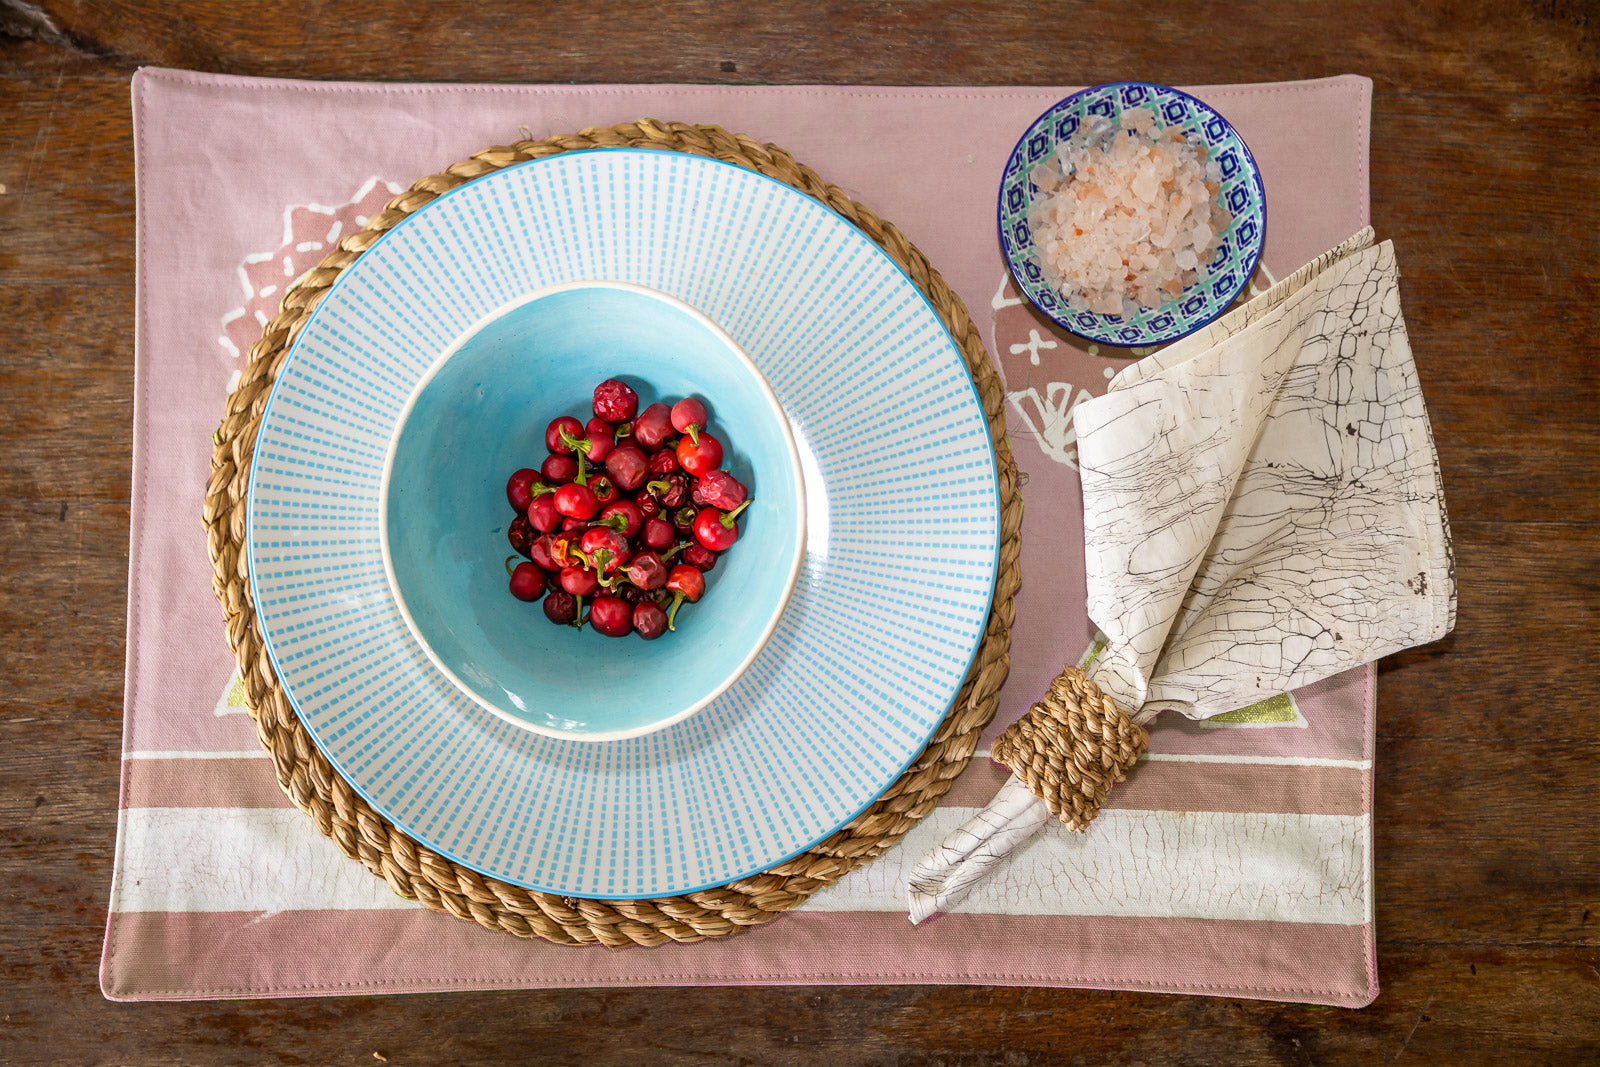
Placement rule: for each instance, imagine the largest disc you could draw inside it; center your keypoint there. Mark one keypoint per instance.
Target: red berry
(519, 488)
(607, 549)
(604, 491)
(686, 583)
(612, 616)
(573, 526)
(700, 557)
(716, 529)
(700, 456)
(623, 516)
(602, 439)
(558, 470)
(686, 580)
(663, 462)
(671, 489)
(541, 553)
(649, 620)
(563, 550)
(653, 426)
(627, 467)
(614, 401)
(722, 490)
(688, 416)
(577, 501)
(552, 434)
(521, 535)
(658, 533)
(683, 520)
(542, 513)
(649, 506)
(579, 581)
(646, 570)
(561, 607)
(527, 582)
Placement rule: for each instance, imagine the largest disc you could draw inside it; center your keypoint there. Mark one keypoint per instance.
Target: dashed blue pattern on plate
(902, 530)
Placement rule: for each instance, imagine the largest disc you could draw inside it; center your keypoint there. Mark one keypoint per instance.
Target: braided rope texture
(415, 872)
(1072, 747)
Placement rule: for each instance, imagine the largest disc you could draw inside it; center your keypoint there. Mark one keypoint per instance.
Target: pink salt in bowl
(1039, 202)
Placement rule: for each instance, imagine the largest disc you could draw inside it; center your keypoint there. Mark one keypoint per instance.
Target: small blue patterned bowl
(1241, 193)
(481, 413)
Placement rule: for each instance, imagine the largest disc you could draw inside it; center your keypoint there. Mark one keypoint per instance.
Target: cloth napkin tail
(944, 877)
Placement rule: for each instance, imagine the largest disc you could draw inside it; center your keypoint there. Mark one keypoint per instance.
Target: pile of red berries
(611, 505)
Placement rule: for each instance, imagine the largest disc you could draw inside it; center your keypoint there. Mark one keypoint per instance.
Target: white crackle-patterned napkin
(1262, 509)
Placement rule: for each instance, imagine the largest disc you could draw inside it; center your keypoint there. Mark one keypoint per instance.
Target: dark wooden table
(1485, 172)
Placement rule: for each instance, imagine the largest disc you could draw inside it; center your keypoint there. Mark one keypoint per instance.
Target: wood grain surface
(1485, 173)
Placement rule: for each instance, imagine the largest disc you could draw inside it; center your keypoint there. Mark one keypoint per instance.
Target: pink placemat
(1263, 888)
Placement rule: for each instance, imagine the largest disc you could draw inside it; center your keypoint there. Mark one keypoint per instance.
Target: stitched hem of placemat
(136, 513)
(377, 987)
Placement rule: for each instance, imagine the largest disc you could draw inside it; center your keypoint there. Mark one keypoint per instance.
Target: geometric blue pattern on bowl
(1242, 193)
(902, 529)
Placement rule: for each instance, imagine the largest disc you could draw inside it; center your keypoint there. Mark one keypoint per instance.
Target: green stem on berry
(657, 487)
(674, 551)
(577, 444)
(508, 563)
(577, 615)
(580, 445)
(693, 430)
(727, 518)
(672, 612)
(624, 429)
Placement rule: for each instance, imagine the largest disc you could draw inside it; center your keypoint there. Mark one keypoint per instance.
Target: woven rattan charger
(418, 873)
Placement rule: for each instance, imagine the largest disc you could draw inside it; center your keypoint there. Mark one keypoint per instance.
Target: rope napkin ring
(1072, 747)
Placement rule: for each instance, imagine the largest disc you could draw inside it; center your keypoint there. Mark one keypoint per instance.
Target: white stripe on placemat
(1276, 761)
(1154, 864)
(237, 859)
(1204, 865)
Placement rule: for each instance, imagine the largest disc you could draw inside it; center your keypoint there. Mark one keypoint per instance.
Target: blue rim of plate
(698, 731)
(1103, 329)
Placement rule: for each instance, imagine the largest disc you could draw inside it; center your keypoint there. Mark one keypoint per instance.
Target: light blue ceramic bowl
(480, 414)
(1242, 193)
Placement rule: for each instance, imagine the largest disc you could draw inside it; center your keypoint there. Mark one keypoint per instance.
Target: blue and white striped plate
(903, 530)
